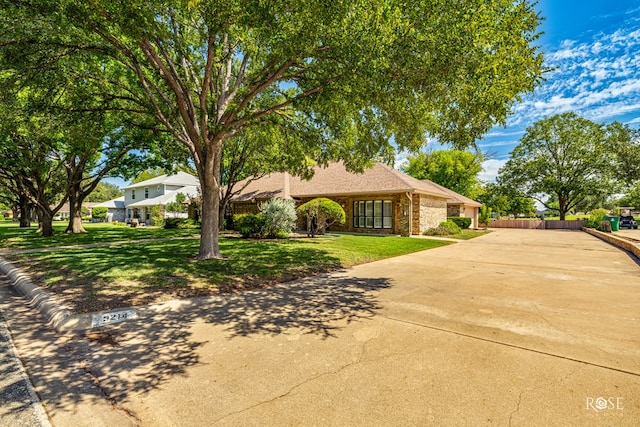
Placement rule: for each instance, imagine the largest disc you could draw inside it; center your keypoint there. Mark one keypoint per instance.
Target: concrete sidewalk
(518, 327)
(20, 405)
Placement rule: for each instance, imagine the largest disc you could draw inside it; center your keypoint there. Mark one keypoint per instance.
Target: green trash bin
(614, 221)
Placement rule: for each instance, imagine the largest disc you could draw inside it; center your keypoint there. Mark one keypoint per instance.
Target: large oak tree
(342, 79)
(568, 157)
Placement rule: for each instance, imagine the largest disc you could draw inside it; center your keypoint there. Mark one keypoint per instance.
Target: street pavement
(518, 327)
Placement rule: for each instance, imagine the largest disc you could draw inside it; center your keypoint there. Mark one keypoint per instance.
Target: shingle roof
(457, 197)
(113, 204)
(180, 178)
(335, 180)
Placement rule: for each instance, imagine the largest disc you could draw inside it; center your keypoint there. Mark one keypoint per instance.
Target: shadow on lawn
(136, 357)
(118, 276)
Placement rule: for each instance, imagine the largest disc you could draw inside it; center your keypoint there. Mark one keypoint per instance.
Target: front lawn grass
(469, 234)
(14, 237)
(92, 279)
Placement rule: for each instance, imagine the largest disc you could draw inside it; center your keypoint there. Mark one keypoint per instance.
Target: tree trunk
(46, 222)
(209, 175)
(562, 204)
(25, 212)
(75, 212)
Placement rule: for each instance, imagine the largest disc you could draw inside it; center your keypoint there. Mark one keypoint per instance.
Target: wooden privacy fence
(537, 224)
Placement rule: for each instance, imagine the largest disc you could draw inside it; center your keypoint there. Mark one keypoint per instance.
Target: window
(372, 214)
(133, 194)
(146, 192)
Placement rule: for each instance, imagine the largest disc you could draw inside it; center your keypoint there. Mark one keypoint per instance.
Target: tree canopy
(341, 79)
(566, 156)
(454, 169)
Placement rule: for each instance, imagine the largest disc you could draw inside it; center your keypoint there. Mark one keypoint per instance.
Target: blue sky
(594, 47)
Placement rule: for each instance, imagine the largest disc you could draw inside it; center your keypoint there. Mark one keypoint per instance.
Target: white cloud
(599, 78)
(490, 169)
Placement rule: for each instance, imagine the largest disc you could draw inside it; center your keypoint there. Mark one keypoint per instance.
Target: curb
(57, 315)
(614, 240)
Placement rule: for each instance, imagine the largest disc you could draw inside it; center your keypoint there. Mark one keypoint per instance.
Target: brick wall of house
(116, 214)
(418, 211)
(428, 212)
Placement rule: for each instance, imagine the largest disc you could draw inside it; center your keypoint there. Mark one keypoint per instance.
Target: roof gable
(180, 178)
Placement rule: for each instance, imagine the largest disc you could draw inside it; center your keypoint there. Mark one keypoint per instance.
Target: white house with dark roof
(141, 197)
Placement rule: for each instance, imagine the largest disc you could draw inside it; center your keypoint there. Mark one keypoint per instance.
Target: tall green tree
(342, 77)
(29, 169)
(506, 201)
(103, 192)
(565, 156)
(456, 170)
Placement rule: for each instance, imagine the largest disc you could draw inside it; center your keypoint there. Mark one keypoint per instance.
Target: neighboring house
(141, 197)
(459, 205)
(65, 211)
(380, 200)
(115, 209)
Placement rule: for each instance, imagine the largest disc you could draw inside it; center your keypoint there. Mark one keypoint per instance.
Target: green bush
(446, 228)
(99, 212)
(462, 221)
(157, 216)
(321, 213)
(596, 217)
(181, 223)
(279, 217)
(249, 225)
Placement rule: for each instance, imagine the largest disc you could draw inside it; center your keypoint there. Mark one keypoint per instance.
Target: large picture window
(372, 214)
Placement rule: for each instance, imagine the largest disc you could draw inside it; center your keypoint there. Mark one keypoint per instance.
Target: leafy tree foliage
(454, 169)
(99, 212)
(339, 78)
(631, 198)
(148, 174)
(103, 192)
(178, 205)
(506, 201)
(27, 166)
(625, 146)
(566, 156)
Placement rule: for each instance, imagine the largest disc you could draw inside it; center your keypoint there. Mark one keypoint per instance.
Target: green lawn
(91, 279)
(14, 237)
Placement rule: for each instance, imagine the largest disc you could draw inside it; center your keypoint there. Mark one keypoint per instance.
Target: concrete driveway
(518, 327)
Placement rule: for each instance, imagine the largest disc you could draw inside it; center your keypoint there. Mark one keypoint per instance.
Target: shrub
(99, 212)
(156, 216)
(445, 228)
(181, 223)
(596, 217)
(279, 217)
(485, 215)
(461, 221)
(321, 213)
(188, 224)
(249, 225)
